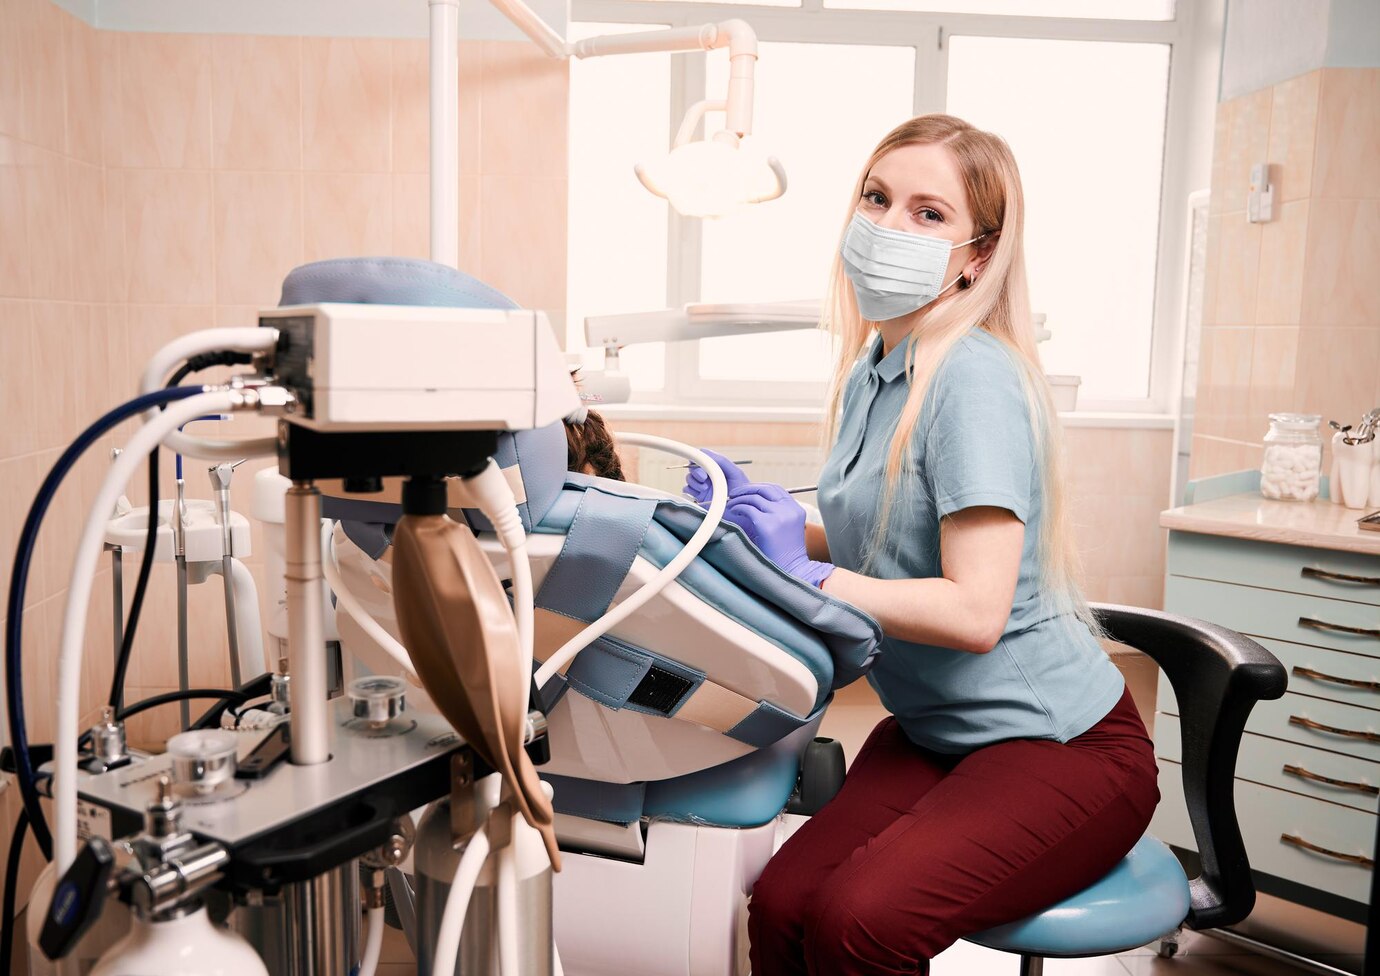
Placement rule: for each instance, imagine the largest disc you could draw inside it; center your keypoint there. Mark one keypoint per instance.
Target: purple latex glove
(775, 521)
(697, 481)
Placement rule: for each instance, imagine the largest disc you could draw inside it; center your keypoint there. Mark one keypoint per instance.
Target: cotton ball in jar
(1289, 472)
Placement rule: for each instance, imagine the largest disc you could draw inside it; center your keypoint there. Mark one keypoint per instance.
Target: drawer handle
(1302, 773)
(1360, 859)
(1349, 682)
(1308, 723)
(1338, 628)
(1324, 574)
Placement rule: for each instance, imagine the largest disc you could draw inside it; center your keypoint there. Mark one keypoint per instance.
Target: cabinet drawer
(1323, 673)
(1268, 613)
(1295, 569)
(1266, 814)
(1290, 766)
(1346, 729)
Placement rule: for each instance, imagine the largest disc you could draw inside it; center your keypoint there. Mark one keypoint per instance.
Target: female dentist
(1013, 770)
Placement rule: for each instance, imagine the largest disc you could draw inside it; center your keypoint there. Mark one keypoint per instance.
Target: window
(831, 81)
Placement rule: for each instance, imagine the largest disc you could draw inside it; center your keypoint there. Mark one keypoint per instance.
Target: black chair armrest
(1218, 675)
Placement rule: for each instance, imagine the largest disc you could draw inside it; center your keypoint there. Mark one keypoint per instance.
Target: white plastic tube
(537, 30)
(373, 944)
(458, 902)
(165, 360)
(346, 600)
(445, 132)
(493, 495)
(718, 502)
(88, 553)
(248, 626)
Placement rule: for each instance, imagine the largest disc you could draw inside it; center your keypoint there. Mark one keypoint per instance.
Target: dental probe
(673, 467)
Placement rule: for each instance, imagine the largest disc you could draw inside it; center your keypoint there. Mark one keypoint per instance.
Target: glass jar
(1293, 457)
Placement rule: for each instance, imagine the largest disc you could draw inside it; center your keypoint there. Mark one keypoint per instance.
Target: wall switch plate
(1261, 197)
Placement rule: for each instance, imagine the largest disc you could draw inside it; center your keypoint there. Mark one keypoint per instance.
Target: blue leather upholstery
(1141, 899)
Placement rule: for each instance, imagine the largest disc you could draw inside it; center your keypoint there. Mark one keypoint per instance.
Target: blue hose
(14, 683)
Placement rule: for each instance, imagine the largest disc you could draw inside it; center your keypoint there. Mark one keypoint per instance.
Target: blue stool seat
(1141, 899)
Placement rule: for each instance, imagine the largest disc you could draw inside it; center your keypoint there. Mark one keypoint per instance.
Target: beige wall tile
(1212, 270)
(43, 183)
(73, 359)
(21, 477)
(347, 215)
(522, 83)
(39, 25)
(1248, 140)
(1348, 134)
(256, 102)
(112, 226)
(168, 236)
(1225, 372)
(1238, 270)
(14, 231)
(42, 632)
(1102, 461)
(11, 69)
(1336, 372)
(258, 235)
(88, 232)
(98, 665)
(1137, 591)
(1283, 244)
(20, 390)
(410, 99)
(411, 217)
(1343, 253)
(1293, 132)
(165, 100)
(345, 104)
(84, 75)
(1221, 138)
(1274, 357)
(111, 71)
(523, 228)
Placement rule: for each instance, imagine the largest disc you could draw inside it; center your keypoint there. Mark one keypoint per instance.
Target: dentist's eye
(874, 198)
(929, 215)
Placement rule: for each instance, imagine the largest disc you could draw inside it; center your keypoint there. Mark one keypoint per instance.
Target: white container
(1355, 462)
(1373, 499)
(1290, 469)
(1334, 474)
(1064, 389)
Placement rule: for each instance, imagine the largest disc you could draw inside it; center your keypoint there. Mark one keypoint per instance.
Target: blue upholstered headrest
(540, 454)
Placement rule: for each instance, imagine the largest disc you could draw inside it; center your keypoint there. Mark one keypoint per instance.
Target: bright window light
(616, 259)
(822, 108)
(1091, 160)
(1102, 9)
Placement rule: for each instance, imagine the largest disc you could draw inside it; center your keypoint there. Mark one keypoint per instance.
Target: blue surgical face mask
(894, 273)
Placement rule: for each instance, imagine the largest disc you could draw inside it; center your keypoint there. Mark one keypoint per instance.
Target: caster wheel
(1167, 949)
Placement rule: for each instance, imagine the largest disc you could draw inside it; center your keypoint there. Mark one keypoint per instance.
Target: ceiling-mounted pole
(445, 131)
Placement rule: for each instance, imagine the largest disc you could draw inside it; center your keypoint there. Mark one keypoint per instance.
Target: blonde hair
(997, 302)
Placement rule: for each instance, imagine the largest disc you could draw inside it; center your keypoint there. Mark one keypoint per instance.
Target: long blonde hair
(997, 302)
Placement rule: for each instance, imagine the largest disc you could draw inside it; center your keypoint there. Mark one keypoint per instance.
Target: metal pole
(179, 513)
(310, 723)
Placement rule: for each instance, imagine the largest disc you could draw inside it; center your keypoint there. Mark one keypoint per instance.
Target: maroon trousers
(921, 848)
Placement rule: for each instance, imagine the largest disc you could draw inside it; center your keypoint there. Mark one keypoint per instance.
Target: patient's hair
(590, 448)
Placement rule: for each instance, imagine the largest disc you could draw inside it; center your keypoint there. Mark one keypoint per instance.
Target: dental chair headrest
(539, 455)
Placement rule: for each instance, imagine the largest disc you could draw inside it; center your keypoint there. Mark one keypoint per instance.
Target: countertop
(1319, 524)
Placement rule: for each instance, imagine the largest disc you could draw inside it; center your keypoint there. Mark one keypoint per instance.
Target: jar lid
(1296, 421)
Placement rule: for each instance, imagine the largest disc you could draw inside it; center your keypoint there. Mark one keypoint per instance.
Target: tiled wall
(152, 185)
(1118, 482)
(1291, 312)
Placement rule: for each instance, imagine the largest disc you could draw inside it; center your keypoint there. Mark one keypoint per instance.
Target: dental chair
(676, 740)
(1218, 675)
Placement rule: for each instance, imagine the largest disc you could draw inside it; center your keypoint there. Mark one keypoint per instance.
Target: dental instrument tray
(1370, 522)
(299, 820)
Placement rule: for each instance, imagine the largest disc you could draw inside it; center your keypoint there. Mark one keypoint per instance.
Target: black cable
(256, 688)
(21, 827)
(117, 679)
(176, 696)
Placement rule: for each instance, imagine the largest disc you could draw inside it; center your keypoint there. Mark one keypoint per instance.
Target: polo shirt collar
(893, 364)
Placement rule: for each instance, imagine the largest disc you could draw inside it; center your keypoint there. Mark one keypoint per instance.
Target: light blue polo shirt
(1047, 678)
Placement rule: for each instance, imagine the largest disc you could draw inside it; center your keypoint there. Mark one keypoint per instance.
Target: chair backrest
(1218, 675)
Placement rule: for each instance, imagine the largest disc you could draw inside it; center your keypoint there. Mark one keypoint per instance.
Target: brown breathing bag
(458, 629)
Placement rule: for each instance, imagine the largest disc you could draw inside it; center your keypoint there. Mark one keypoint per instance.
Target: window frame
(1187, 35)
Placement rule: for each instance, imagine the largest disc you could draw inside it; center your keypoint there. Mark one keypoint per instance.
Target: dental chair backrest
(734, 657)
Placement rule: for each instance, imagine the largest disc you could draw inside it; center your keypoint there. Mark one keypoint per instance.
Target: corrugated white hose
(458, 903)
(195, 344)
(718, 502)
(346, 599)
(88, 553)
(373, 944)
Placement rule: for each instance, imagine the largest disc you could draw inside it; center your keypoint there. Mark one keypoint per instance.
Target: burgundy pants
(921, 848)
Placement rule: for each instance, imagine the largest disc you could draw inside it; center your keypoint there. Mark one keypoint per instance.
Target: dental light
(707, 178)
